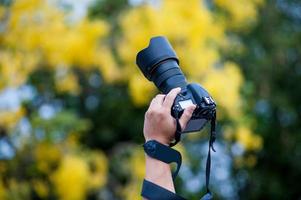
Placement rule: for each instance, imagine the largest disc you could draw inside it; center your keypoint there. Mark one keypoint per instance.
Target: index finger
(157, 101)
(170, 97)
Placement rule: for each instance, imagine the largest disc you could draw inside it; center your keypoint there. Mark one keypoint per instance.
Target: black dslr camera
(160, 64)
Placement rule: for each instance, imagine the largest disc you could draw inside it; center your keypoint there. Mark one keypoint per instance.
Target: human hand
(158, 123)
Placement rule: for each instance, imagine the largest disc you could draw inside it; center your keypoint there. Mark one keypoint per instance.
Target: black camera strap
(211, 147)
(153, 191)
(208, 195)
(177, 133)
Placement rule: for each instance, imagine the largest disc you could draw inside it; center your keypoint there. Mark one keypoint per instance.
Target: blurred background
(72, 100)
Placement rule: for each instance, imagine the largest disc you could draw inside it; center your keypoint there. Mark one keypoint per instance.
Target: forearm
(159, 125)
(159, 173)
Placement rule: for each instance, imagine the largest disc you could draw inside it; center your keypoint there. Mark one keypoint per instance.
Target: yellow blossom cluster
(224, 85)
(41, 188)
(8, 119)
(47, 156)
(66, 81)
(71, 178)
(249, 140)
(76, 175)
(71, 173)
(15, 66)
(244, 136)
(39, 32)
(241, 13)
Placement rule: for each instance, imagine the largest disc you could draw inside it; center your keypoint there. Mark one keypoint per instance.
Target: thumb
(186, 116)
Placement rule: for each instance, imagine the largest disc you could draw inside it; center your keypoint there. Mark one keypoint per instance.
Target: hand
(158, 123)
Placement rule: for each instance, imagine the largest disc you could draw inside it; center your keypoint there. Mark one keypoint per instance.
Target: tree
(86, 98)
(271, 66)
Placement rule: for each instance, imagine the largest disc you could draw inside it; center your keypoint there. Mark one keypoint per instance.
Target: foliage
(74, 128)
(42, 46)
(272, 69)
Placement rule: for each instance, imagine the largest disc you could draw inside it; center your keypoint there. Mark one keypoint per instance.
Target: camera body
(205, 106)
(160, 64)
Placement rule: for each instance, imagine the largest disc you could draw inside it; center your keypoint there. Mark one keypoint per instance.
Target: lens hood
(158, 50)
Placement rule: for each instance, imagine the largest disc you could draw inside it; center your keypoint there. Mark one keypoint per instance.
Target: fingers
(186, 116)
(158, 100)
(170, 97)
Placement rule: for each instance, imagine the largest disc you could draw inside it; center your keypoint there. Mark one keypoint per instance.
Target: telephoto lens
(160, 64)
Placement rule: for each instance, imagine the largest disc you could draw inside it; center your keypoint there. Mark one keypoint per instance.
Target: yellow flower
(8, 119)
(99, 167)
(71, 179)
(140, 89)
(249, 140)
(41, 188)
(107, 65)
(132, 190)
(78, 174)
(242, 13)
(47, 155)
(67, 82)
(40, 35)
(224, 85)
(14, 67)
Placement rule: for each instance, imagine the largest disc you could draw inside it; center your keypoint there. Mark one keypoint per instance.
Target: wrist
(158, 139)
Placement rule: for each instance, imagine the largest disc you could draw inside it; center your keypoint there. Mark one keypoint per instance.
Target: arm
(159, 125)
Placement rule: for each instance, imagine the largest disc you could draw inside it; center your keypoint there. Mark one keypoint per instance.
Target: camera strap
(211, 147)
(208, 195)
(153, 191)
(177, 133)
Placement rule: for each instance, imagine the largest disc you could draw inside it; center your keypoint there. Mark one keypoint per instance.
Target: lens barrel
(160, 64)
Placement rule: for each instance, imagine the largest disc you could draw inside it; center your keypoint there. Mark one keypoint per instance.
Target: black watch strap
(163, 153)
(152, 191)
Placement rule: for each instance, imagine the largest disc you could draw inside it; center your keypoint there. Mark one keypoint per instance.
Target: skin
(159, 125)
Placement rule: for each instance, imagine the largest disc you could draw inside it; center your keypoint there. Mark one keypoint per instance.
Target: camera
(160, 64)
